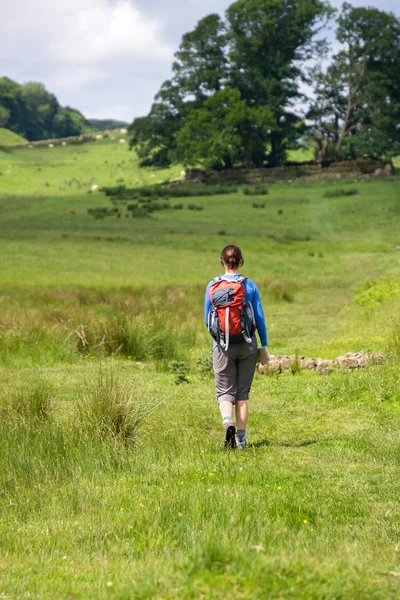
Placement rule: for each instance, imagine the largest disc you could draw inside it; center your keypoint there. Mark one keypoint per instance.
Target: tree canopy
(236, 86)
(34, 113)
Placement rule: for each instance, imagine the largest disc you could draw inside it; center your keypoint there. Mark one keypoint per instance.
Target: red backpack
(231, 317)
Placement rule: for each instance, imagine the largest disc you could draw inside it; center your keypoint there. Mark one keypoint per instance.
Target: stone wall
(284, 364)
(335, 170)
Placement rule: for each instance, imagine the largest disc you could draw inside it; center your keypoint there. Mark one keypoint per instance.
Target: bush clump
(121, 192)
(100, 212)
(256, 190)
(341, 192)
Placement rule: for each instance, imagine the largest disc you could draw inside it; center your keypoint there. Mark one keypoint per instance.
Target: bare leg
(226, 409)
(242, 413)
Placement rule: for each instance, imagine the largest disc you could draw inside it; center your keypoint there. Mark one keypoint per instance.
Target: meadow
(113, 479)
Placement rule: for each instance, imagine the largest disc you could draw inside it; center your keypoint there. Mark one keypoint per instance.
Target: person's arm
(259, 317)
(207, 305)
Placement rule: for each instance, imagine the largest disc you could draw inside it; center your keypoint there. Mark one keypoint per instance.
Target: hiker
(233, 312)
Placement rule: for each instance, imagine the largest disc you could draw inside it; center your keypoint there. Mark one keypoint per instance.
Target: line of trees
(33, 112)
(236, 87)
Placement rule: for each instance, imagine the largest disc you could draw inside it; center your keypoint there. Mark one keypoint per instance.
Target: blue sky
(105, 57)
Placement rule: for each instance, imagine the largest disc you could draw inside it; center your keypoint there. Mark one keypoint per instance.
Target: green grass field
(113, 480)
(8, 138)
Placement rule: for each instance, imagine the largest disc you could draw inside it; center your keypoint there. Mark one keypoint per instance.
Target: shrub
(181, 371)
(100, 212)
(120, 192)
(372, 293)
(339, 193)
(205, 366)
(256, 190)
(255, 205)
(178, 206)
(195, 207)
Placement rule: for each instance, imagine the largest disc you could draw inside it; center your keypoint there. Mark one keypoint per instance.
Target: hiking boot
(240, 445)
(230, 437)
(230, 433)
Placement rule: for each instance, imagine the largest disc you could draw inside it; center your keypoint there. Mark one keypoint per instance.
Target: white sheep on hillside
(122, 141)
(123, 131)
(51, 145)
(95, 188)
(99, 136)
(64, 144)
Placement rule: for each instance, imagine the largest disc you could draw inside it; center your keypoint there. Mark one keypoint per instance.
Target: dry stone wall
(337, 170)
(284, 364)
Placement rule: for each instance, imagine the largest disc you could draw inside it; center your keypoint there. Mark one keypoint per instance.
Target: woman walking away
(233, 312)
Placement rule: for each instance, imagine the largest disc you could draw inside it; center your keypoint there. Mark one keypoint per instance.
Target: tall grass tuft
(31, 405)
(109, 410)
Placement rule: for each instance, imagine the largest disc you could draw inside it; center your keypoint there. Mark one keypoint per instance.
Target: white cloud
(97, 30)
(83, 31)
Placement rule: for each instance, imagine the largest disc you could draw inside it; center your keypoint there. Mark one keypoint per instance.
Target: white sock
(226, 422)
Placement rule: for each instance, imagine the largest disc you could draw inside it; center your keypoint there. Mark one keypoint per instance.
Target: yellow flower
(305, 521)
(122, 508)
(279, 487)
(181, 483)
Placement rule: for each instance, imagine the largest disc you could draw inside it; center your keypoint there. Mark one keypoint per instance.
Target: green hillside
(8, 138)
(73, 169)
(114, 482)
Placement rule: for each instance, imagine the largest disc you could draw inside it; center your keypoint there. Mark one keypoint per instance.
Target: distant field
(8, 138)
(73, 169)
(101, 322)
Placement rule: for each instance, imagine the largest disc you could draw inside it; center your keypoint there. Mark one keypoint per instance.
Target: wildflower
(158, 508)
(141, 505)
(305, 521)
(279, 487)
(181, 483)
(122, 508)
(109, 584)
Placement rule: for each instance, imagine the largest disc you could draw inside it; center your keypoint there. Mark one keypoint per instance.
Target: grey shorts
(234, 370)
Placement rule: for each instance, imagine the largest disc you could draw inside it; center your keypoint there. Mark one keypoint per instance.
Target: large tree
(269, 40)
(357, 105)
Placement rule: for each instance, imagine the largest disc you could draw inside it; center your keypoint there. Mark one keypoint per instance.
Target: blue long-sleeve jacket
(252, 296)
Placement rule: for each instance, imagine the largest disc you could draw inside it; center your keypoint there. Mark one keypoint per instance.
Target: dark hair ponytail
(232, 257)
